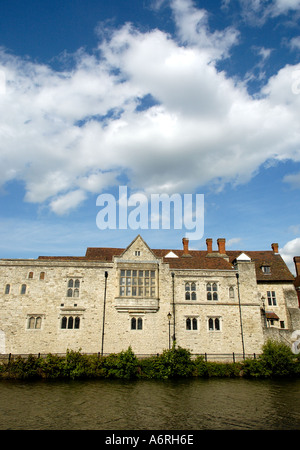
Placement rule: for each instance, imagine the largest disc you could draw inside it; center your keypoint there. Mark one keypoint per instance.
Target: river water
(192, 404)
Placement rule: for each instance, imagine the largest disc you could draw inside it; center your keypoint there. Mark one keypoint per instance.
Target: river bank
(276, 360)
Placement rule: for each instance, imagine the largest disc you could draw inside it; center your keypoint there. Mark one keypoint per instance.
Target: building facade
(215, 302)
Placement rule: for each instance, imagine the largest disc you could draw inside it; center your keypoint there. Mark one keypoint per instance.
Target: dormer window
(266, 269)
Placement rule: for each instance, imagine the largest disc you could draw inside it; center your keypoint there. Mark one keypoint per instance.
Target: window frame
(73, 287)
(7, 289)
(216, 324)
(190, 290)
(191, 323)
(136, 323)
(271, 298)
(137, 282)
(70, 322)
(36, 320)
(212, 291)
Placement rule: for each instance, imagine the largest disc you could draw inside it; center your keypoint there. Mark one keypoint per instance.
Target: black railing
(212, 357)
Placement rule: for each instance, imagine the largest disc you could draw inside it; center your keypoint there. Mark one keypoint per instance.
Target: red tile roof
(197, 259)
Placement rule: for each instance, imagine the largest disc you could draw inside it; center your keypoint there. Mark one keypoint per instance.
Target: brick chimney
(275, 248)
(209, 245)
(297, 265)
(185, 242)
(221, 246)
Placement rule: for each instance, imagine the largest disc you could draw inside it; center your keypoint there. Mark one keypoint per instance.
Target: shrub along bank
(276, 360)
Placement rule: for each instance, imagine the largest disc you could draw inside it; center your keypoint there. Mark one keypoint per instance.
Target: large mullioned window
(137, 283)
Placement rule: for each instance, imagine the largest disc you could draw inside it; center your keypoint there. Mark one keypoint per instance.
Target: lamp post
(169, 319)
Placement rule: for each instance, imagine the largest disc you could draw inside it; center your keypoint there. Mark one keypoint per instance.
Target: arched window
(136, 323)
(191, 323)
(38, 323)
(73, 288)
(140, 323)
(214, 324)
(133, 323)
(64, 322)
(70, 323)
(208, 291)
(190, 291)
(31, 323)
(7, 289)
(187, 291)
(215, 293)
(231, 292)
(77, 322)
(23, 289)
(188, 324)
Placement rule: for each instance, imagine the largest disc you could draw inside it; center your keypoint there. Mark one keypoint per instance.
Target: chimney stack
(209, 245)
(221, 246)
(275, 248)
(185, 242)
(297, 265)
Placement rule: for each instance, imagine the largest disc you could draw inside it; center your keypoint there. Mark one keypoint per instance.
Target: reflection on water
(194, 404)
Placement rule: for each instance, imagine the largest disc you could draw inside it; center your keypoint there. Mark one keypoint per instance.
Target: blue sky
(163, 96)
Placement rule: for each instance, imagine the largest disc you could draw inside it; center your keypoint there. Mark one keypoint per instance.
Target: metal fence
(208, 357)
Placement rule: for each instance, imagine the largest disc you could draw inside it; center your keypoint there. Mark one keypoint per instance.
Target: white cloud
(193, 29)
(295, 43)
(65, 203)
(257, 12)
(290, 249)
(231, 242)
(65, 134)
(293, 180)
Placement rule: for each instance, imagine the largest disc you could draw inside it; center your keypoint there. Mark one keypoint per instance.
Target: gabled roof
(243, 257)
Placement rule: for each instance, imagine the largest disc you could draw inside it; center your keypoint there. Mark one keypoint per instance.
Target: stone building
(208, 301)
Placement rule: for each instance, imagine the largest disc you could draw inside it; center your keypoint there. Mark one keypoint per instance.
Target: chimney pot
(185, 242)
(275, 247)
(209, 245)
(297, 265)
(221, 246)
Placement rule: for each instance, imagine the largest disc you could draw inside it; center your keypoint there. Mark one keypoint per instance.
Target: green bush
(276, 360)
(173, 363)
(122, 365)
(23, 368)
